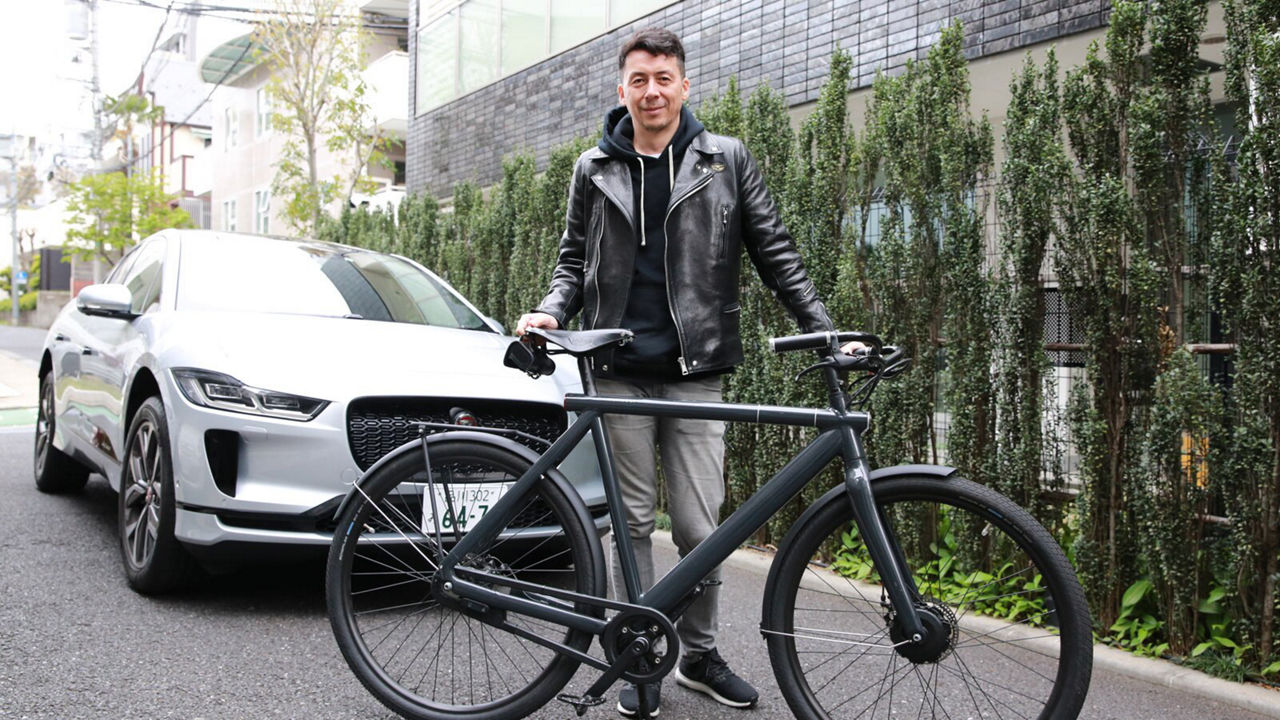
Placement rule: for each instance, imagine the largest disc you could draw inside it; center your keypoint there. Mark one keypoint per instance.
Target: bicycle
(877, 603)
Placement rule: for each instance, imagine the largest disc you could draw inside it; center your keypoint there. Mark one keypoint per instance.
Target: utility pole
(12, 153)
(97, 120)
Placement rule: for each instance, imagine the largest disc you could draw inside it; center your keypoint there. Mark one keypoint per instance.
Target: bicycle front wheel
(1008, 627)
(431, 661)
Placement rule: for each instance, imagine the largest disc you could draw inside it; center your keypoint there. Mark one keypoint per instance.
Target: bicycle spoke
(425, 652)
(965, 561)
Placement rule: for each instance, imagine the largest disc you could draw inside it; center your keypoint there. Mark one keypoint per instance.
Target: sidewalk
(19, 391)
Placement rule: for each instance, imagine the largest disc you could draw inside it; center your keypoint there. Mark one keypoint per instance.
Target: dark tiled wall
(787, 44)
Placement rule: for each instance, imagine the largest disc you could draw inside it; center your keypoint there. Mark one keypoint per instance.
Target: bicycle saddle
(584, 342)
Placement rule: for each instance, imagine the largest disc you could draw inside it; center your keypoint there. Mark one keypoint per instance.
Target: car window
(143, 277)
(256, 275)
(119, 270)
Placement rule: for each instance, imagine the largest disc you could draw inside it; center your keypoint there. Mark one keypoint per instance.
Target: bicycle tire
(831, 639)
(428, 661)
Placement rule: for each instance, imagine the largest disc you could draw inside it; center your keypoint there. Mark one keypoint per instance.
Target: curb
(1157, 672)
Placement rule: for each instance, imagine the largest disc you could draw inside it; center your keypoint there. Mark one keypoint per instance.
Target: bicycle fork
(887, 557)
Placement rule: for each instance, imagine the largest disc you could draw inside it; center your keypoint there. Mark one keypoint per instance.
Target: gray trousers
(692, 457)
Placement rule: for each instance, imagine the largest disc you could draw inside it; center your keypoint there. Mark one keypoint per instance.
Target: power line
(244, 14)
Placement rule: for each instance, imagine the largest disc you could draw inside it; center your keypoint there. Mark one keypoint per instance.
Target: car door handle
(61, 338)
(86, 350)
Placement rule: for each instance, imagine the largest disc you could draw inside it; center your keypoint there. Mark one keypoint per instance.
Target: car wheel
(55, 472)
(154, 561)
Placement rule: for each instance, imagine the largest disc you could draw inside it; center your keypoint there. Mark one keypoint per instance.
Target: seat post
(588, 378)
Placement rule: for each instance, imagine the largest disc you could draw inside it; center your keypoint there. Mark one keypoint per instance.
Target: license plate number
(470, 503)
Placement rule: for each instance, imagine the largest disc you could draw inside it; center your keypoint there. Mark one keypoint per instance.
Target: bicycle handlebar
(824, 341)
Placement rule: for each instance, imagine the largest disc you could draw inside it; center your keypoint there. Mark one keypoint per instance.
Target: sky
(41, 83)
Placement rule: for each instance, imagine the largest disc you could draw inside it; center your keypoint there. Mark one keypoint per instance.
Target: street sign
(22, 277)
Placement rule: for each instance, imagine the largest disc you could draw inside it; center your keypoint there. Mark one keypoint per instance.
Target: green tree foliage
(1175, 472)
(1138, 197)
(314, 50)
(110, 212)
(1105, 268)
(1031, 176)
(927, 266)
(1246, 253)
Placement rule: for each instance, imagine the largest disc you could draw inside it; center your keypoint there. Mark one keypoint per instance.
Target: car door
(109, 349)
(72, 334)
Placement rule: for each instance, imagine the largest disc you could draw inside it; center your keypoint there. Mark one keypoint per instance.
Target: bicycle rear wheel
(426, 660)
(1009, 627)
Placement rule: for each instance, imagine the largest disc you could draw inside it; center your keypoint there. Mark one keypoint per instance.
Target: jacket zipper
(724, 229)
(595, 179)
(704, 181)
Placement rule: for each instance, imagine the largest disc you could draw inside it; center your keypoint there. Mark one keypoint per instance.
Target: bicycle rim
(427, 660)
(992, 582)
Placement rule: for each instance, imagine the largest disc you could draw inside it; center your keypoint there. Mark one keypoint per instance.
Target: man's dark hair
(655, 41)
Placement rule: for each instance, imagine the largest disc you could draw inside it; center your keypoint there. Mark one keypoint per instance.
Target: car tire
(154, 561)
(55, 471)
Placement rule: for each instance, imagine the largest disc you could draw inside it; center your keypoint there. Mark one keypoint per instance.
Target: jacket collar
(704, 142)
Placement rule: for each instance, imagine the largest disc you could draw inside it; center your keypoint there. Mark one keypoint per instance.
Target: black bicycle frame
(840, 435)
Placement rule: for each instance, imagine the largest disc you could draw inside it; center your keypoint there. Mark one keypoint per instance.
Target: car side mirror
(106, 300)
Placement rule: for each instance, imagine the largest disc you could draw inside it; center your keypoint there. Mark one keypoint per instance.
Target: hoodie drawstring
(671, 184)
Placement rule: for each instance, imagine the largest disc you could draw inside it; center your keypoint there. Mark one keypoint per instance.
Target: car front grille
(378, 425)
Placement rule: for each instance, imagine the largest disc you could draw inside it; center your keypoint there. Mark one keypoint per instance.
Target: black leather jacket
(718, 204)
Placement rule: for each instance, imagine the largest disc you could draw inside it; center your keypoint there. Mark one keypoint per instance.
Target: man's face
(653, 89)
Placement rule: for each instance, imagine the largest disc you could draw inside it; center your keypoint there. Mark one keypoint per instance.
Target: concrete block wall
(786, 43)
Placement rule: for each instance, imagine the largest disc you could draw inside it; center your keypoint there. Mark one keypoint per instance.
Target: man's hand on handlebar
(537, 320)
(852, 348)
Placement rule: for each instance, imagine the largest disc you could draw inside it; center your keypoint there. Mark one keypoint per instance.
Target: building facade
(480, 90)
(245, 149)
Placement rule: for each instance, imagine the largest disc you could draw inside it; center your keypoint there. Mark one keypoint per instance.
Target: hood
(337, 359)
(617, 138)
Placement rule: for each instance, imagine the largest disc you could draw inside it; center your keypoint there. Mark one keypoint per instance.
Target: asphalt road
(22, 342)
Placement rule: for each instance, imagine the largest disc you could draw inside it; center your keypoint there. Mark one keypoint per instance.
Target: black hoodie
(648, 314)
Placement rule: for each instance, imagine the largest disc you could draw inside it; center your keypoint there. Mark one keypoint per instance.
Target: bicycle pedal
(580, 703)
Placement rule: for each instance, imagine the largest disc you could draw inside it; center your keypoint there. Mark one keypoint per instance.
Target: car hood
(338, 358)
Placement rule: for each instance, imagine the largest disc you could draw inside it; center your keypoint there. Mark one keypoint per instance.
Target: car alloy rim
(142, 495)
(44, 421)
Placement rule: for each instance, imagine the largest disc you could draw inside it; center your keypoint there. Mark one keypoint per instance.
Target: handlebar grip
(822, 340)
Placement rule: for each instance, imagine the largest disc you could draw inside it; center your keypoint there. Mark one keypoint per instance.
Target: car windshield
(277, 276)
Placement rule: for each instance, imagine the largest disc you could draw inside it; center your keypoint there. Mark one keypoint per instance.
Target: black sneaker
(708, 673)
(629, 700)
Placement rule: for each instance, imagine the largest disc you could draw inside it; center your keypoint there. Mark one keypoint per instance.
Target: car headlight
(215, 390)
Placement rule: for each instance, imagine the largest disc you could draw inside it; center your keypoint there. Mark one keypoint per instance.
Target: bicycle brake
(840, 361)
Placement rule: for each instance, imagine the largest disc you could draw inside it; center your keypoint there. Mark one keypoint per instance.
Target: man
(657, 216)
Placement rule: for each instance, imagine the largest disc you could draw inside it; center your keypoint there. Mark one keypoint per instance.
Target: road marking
(24, 417)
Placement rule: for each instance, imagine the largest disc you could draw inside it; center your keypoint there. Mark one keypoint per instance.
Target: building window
(261, 211)
(229, 215)
(1062, 327)
(263, 124)
(231, 128)
(464, 46)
